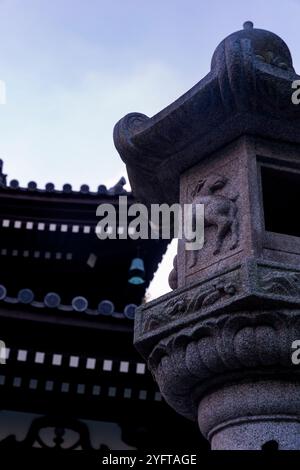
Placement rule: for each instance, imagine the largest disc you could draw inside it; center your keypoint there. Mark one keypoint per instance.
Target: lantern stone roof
(248, 91)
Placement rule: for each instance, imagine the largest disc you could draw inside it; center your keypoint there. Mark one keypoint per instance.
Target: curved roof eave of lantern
(248, 91)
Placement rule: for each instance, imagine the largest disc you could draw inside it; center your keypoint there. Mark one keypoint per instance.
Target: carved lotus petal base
(232, 369)
(234, 346)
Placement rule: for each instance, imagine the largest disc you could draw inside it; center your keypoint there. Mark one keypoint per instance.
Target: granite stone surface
(220, 344)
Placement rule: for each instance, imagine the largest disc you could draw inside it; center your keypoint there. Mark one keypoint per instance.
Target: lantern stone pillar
(220, 344)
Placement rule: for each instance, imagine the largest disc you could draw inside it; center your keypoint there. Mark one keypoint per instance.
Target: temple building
(70, 376)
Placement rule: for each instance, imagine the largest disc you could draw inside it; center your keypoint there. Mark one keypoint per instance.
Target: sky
(73, 68)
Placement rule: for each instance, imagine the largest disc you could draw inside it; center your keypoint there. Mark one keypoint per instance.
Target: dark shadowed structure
(72, 377)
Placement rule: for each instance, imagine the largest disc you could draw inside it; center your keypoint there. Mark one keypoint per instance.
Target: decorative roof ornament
(80, 304)
(84, 189)
(102, 189)
(247, 92)
(129, 311)
(118, 188)
(50, 187)
(52, 300)
(2, 175)
(3, 292)
(25, 296)
(14, 184)
(67, 188)
(32, 186)
(106, 307)
(248, 25)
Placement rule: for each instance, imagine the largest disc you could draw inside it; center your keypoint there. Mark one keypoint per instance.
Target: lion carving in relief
(219, 211)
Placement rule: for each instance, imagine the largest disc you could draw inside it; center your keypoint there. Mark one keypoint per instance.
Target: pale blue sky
(73, 67)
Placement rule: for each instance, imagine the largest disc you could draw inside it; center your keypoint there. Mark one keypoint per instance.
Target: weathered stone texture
(220, 344)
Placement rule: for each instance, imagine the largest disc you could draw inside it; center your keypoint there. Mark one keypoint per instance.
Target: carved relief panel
(221, 184)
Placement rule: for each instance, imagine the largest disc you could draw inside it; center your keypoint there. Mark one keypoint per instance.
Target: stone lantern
(220, 344)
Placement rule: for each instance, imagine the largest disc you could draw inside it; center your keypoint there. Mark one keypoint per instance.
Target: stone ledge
(250, 285)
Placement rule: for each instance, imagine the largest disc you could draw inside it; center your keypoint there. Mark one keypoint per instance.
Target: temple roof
(49, 189)
(49, 246)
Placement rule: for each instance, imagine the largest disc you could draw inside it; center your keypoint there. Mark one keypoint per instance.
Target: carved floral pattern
(241, 343)
(281, 282)
(189, 303)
